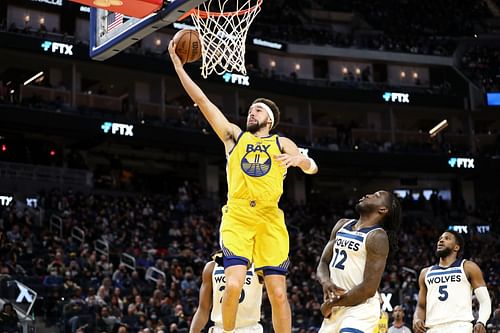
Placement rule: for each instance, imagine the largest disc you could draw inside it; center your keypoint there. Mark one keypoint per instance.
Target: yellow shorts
(256, 231)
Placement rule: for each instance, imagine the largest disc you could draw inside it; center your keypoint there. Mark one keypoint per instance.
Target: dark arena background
(112, 182)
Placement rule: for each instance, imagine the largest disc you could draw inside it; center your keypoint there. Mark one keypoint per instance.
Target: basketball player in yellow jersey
(253, 228)
(383, 323)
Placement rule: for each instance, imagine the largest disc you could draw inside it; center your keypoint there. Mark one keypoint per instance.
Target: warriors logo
(256, 162)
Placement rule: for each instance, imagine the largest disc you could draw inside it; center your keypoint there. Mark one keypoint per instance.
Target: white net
(223, 27)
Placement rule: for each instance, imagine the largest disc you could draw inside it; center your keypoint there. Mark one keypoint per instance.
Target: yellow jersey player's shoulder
(286, 144)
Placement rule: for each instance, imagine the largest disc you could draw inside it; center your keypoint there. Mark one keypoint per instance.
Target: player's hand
(175, 58)
(328, 306)
(479, 328)
(419, 326)
(326, 309)
(287, 160)
(330, 290)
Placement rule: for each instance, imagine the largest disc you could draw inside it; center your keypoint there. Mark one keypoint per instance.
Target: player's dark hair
(459, 239)
(392, 223)
(274, 108)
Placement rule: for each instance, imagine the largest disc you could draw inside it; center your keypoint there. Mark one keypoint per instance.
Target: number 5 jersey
(449, 294)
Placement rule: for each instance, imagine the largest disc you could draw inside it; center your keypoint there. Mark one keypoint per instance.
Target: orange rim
(204, 14)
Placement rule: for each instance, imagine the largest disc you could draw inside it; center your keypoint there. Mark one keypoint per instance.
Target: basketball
(188, 45)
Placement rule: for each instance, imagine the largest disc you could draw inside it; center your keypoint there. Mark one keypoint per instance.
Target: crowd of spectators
(82, 290)
(412, 17)
(482, 65)
(407, 27)
(329, 136)
(343, 139)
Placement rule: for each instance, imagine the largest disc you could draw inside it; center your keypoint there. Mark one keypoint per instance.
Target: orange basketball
(188, 45)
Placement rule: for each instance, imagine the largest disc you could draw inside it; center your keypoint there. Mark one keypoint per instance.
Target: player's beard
(254, 127)
(444, 252)
(363, 208)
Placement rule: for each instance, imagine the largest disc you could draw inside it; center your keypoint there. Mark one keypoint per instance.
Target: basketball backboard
(111, 33)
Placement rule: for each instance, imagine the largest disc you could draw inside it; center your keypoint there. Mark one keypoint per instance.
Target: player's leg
(235, 278)
(276, 291)
(271, 256)
(237, 234)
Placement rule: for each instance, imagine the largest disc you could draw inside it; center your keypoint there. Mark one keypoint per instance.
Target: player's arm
(291, 156)
(478, 284)
(323, 270)
(202, 313)
(225, 130)
(377, 249)
(419, 316)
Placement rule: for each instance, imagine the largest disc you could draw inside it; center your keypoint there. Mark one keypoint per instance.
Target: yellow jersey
(383, 323)
(252, 173)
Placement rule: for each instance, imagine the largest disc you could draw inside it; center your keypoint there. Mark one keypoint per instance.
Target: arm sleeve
(484, 304)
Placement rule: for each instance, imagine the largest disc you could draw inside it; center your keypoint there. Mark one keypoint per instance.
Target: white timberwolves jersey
(449, 295)
(250, 298)
(349, 256)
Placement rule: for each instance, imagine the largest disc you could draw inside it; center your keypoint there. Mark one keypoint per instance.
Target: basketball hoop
(223, 27)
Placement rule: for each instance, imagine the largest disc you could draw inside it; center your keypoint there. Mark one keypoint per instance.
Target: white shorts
(257, 328)
(453, 327)
(361, 318)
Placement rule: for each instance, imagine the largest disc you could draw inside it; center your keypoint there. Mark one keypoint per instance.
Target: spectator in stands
(106, 322)
(139, 304)
(73, 313)
(120, 276)
(188, 282)
(398, 325)
(54, 279)
(9, 322)
(4, 93)
(131, 319)
(123, 329)
(179, 318)
(14, 235)
(114, 306)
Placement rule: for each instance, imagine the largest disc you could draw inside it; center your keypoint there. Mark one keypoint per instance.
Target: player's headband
(267, 109)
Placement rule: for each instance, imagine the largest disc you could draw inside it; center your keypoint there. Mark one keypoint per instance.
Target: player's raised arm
(292, 157)
(419, 316)
(202, 314)
(225, 130)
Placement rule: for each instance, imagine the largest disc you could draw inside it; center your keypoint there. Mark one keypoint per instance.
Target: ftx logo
(6, 200)
(60, 48)
(461, 163)
(118, 129)
(463, 229)
(241, 80)
(396, 97)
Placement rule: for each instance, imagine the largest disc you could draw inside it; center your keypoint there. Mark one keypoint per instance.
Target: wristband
(312, 168)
